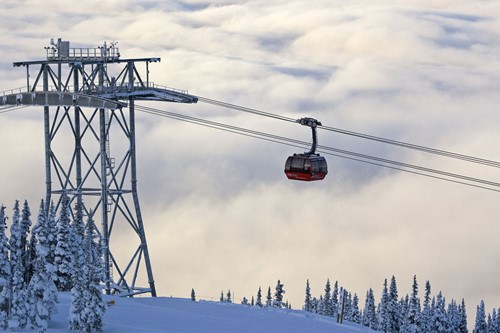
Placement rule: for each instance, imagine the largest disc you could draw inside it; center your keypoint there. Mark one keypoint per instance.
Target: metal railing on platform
(14, 91)
(99, 53)
(106, 89)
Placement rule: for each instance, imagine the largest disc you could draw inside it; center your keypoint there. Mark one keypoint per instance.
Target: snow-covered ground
(136, 315)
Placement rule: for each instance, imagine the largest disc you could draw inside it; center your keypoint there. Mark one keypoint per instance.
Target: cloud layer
(218, 209)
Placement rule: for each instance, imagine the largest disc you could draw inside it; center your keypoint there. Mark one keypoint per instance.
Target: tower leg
(133, 173)
(104, 198)
(46, 121)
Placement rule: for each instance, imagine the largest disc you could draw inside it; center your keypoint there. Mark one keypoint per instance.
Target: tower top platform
(61, 52)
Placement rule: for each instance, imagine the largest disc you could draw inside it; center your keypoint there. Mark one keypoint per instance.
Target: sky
(218, 210)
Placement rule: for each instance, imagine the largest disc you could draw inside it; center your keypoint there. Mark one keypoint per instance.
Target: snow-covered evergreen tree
(5, 270)
(77, 260)
(327, 300)
(498, 320)
(439, 319)
(320, 306)
(307, 301)
(453, 317)
(86, 294)
(347, 305)
(480, 323)
(411, 319)
(52, 240)
(404, 305)
(94, 263)
(258, 302)
(335, 298)
(252, 303)
(25, 225)
(221, 298)
(314, 303)
(393, 308)
(80, 280)
(495, 321)
(426, 314)
(463, 318)
(193, 295)
(18, 316)
(492, 317)
(269, 298)
(278, 295)
(365, 321)
(31, 258)
(489, 324)
(63, 255)
(15, 237)
(383, 310)
(4, 249)
(228, 297)
(41, 235)
(244, 301)
(355, 313)
(42, 292)
(76, 236)
(370, 312)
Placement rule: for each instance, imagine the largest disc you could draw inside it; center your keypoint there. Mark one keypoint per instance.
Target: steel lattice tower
(88, 97)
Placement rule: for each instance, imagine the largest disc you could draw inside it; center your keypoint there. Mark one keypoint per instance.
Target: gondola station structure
(87, 96)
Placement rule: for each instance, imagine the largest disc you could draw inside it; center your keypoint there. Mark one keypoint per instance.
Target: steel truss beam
(57, 98)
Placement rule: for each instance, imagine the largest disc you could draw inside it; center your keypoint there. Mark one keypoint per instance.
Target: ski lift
(308, 166)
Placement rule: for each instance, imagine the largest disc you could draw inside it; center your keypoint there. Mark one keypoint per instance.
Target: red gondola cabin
(306, 167)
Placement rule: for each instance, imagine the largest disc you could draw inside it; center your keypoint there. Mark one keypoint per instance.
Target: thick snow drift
(136, 315)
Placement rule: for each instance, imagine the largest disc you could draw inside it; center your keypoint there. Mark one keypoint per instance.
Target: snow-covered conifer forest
(58, 256)
(59, 252)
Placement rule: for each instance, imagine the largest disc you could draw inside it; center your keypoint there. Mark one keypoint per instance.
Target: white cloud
(425, 73)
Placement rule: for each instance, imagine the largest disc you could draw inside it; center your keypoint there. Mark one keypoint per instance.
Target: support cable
(440, 152)
(12, 108)
(444, 153)
(429, 150)
(400, 166)
(244, 109)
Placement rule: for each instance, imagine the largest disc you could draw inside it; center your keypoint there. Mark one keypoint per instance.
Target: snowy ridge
(176, 315)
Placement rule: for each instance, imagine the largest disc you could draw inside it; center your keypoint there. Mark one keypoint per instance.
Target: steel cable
(400, 166)
(429, 150)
